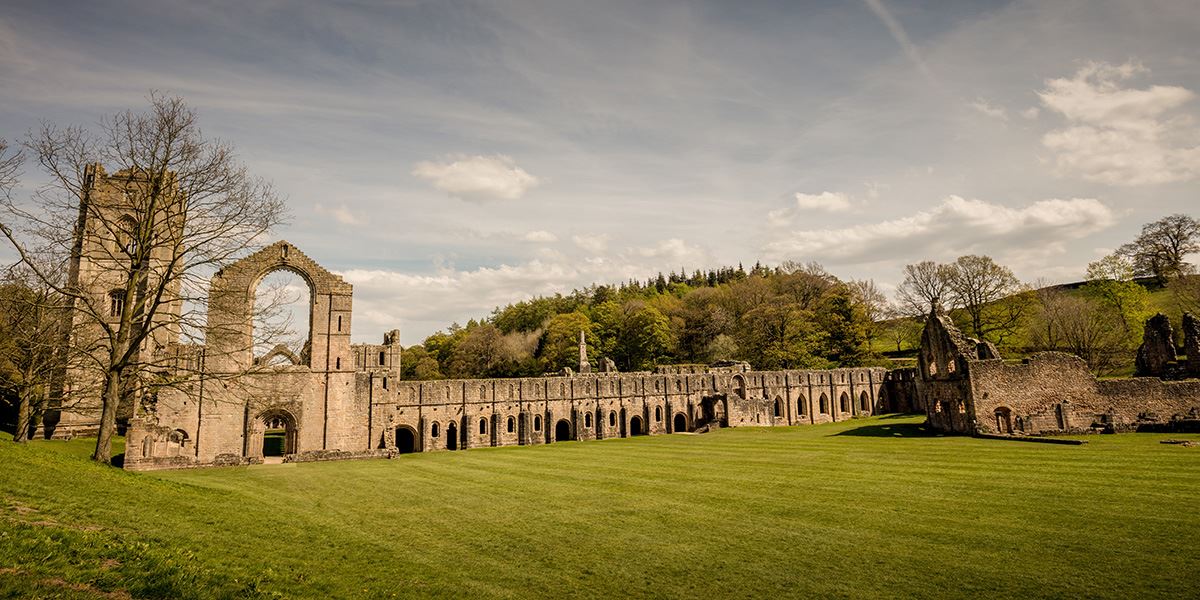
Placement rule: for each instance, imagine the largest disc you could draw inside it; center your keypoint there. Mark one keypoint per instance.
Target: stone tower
(584, 366)
(115, 211)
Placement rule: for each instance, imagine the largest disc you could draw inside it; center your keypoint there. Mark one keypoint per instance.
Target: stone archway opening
(1003, 416)
(282, 318)
(864, 402)
(562, 431)
(278, 435)
(679, 423)
(406, 440)
(636, 427)
(451, 436)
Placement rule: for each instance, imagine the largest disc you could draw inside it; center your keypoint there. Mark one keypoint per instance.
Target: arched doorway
(844, 403)
(864, 403)
(406, 440)
(1004, 419)
(680, 423)
(451, 437)
(278, 434)
(635, 426)
(562, 431)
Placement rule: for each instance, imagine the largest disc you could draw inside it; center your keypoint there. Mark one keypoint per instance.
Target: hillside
(864, 508)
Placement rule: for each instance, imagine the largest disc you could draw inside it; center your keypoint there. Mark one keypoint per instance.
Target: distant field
(866, 508)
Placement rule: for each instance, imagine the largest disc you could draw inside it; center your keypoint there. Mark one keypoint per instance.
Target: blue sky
(449, 157)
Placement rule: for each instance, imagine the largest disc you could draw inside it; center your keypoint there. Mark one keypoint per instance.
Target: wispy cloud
(901, 36)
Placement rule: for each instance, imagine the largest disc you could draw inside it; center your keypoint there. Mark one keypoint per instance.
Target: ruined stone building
(107, 235)
(343, 400)
(965, 387)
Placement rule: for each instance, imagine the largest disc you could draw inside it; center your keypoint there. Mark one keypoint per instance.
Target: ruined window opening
(337, 363)
(658, 414)
(864, 402)
(116, 303)
(844, 402)
(385, 383)
(587, 420)
(339, 322)
(800, 405)
(512, 424)
(778, 408)
(433, 431)
(931, 366)
(950, 367)
(739, 386)
(282, 314)
(612, 419)
(382, 358)
(482, 426)
(537, 423)
(824, 404)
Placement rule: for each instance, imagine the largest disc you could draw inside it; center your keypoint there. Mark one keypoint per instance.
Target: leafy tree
(1161, 248)
(31, 327)
(1110, 281)
(845, 326)
(560, 342)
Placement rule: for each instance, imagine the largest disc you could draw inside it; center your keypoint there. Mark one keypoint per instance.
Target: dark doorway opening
(680, 423)
(406, 440)
(562, 431)
(451, 437)
(635, 427)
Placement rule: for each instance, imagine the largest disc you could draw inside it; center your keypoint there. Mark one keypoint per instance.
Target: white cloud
(422, 304)
(477, 177)
(1031, 113)
(594, 243)
(341, 213)
(1119, 135)
(987, 109)
(955, 226)
(830, 202)
(540, 236)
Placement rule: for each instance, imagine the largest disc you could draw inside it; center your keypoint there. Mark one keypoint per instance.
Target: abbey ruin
(219, 403)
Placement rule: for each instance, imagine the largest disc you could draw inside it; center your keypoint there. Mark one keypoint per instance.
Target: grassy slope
(862, 508)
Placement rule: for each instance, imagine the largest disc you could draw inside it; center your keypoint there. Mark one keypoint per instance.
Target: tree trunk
(24, 416)
(108, 417)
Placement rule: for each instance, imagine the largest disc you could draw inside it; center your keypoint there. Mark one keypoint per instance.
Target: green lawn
(871, 507)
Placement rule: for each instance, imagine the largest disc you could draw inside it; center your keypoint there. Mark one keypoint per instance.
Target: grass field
(871, 507)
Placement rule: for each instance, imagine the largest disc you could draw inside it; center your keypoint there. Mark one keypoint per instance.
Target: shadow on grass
(899, 430)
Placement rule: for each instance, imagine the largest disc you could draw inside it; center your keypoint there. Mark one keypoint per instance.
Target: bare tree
(873, 303)
(924, 284)
(1161, 248)
(988, 293)
(138, 245)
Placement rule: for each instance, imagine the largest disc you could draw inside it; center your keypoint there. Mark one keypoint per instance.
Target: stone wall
(347, 401)
(967, 392)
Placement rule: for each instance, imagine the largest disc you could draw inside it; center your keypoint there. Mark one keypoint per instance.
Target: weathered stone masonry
(338, 400)
(966, 388)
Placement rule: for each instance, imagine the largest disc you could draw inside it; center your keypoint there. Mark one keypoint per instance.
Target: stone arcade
(340, 400)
